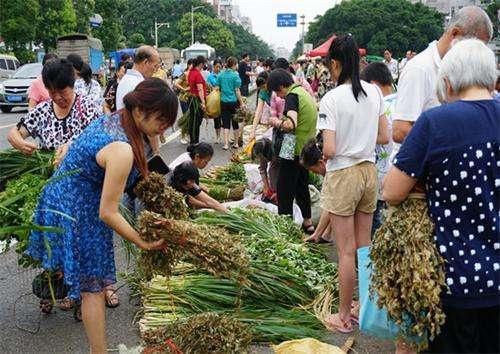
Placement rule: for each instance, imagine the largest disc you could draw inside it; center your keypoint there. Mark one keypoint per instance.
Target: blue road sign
(287, 20)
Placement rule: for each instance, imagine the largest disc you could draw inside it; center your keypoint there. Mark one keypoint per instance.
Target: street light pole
(159, 25)
(303, 23)
(193, 8)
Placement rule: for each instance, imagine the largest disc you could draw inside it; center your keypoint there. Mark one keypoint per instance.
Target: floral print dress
(70, 201)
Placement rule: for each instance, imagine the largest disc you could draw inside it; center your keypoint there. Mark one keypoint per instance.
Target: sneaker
(184, 141)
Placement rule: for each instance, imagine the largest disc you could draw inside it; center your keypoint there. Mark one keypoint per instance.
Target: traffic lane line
(7, 126)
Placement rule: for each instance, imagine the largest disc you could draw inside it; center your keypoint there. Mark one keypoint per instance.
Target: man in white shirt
(146, 63)
(405, 60)
(417, 84)
(392, 64)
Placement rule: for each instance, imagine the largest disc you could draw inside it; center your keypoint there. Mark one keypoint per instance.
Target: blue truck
(89, 48)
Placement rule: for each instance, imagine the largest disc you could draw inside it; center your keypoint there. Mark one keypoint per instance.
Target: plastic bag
(306, 346)
(372, 319)
(213, 104)
(254, 180)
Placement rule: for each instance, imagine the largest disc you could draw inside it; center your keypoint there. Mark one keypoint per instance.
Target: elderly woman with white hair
(455, 150)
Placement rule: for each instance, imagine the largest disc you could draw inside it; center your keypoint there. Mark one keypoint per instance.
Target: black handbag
(49, 286)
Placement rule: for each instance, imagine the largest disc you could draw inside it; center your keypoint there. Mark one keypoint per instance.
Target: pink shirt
(37, 91)
(277, 105)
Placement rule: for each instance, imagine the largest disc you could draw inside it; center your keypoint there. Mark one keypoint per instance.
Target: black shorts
(468, 331)
(228, 110)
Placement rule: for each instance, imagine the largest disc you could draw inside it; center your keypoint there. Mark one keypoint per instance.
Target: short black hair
(244, 55)
(269, 63)
(378, 72)
(262, 78)
(201, 149)
(200, 59)
(310, 154)
(86, 73)
(76, 61)
(388, 49)
(58, 74)
(126, 57)
(263, 147)
(281, 63)
(49, 56)
(279, 78)
(183, 173)
(177, 62)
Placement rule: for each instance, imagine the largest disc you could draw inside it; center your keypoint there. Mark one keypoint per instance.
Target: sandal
(111, 298)
(46, 306)
(77, 312)
(235, 146)
(335, 323)
(66, 304)
(225, 147)
(309, 229)
(355, 312)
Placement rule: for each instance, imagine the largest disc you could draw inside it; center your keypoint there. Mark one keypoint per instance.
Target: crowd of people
(337, 117)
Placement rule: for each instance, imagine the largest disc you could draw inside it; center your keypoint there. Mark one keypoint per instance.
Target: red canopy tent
(322, 50)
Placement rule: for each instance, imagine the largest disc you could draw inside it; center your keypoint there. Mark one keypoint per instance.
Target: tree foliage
(209, 30)
(111, 30)
(246, 42)
(84, 9)
(17, 24)
(57, 18)
(378, 24)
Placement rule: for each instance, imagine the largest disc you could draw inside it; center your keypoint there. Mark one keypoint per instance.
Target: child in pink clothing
(37, 93)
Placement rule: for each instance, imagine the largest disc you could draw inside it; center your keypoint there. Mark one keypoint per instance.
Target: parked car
(13, 91)
(8, 66)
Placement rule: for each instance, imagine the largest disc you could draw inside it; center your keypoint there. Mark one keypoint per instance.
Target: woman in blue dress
(105, 159)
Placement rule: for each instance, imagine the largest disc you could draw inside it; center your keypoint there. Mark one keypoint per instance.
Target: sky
(263, 15)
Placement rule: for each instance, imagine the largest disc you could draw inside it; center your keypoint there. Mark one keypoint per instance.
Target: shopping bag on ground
(213, 104)
(372, 319)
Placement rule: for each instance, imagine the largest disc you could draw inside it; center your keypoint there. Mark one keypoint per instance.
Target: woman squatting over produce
(109, 156)
(186, 180)
(455, 150)
(199, 154)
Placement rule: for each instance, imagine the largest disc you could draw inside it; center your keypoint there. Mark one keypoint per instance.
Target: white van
(8, 65)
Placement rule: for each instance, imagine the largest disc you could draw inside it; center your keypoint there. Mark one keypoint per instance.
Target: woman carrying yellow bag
(213, 99)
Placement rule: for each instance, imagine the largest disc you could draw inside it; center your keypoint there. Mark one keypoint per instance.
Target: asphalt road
(23, 329)
(7, 121)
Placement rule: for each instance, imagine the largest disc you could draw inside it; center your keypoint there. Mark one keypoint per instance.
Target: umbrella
(322, 50)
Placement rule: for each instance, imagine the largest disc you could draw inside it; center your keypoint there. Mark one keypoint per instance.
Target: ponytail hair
(345, 50)
(156, 100)
(201, 149)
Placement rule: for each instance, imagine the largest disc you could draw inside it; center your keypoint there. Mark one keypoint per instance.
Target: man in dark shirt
(245, 71)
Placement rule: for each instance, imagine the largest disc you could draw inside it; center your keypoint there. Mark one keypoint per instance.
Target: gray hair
(467, 64)
(473, 21)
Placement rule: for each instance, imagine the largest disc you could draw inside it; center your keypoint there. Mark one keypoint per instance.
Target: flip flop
(309, 229)
(355, 312)
(111, 298)
(334, 323)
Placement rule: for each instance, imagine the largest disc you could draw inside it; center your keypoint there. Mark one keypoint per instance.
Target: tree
(492, 10)
(18, 26)
(111, 30)
(57, 18)
(246, 42)
(136, 40)
(206, 30)
(84, 9)
(378, 24)
(141, 19)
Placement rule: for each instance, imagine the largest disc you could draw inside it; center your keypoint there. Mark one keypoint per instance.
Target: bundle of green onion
(13, 164)
(210, 248)
(231, 173)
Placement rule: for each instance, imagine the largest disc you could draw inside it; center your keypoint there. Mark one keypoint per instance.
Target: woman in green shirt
(229, 82)
(300, 116)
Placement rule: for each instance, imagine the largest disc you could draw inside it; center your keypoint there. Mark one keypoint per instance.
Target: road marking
(7, 126)
(171, 137)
